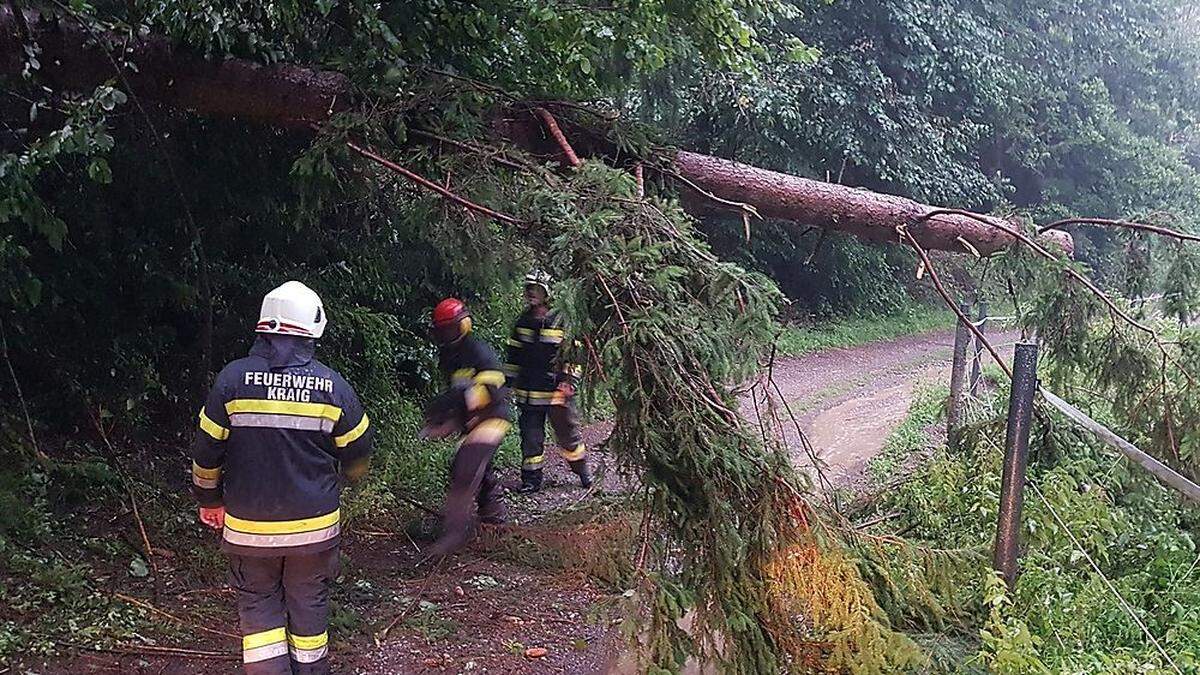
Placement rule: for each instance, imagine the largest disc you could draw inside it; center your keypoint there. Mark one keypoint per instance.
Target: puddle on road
(850, 433)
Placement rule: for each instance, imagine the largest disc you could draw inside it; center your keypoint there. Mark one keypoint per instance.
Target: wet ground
(849, 401)
(483, 612)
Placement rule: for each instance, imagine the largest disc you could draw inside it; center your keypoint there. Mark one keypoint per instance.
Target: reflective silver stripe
(275, 421)
(265, 652)
(281, 540)
(309, 655)
(206, 483)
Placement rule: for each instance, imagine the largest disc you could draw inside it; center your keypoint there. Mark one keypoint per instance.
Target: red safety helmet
(451, 320)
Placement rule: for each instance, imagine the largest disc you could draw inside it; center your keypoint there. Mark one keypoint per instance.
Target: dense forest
(138, 235)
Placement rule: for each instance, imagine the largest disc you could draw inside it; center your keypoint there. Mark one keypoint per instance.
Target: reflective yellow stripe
(201, 472)
(253, 405)
(535, 394)
(322, 410)
(282, 540)
(208, 479)
(575, 455)
(309, 642)
(282, 526)
(524, 331)
(529, 462)
(493, 378)
(488, 431)
(477, 397)
(513, 342)
(211, 428)
(463, 374)
(267, 637)
(325, 411)
(353, 435)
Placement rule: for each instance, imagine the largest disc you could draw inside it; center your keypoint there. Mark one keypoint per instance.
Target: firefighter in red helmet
(475, 404)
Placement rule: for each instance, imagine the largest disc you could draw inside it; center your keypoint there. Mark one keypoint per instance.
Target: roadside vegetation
(853, 331)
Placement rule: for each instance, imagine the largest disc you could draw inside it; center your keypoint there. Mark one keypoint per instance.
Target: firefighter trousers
(283, 604)
(564, 419)
(472, 479)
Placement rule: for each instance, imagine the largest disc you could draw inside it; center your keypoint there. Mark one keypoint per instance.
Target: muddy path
(847, 402)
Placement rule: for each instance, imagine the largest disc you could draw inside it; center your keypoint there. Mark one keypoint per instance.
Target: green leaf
(99, 171)
(138, 568)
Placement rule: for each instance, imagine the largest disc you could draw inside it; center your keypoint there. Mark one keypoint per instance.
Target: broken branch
(937, 282)
(430, 185)
(1142, 227)
(559, 137)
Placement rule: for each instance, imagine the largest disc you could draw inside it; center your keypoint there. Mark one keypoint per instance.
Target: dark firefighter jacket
(537, 362)
(275, 430)
(476, 381)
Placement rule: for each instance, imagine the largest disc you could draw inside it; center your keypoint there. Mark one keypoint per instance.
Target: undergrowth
(1061, 616)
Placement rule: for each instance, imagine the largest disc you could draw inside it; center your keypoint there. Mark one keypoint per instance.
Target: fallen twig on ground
(151, 608)
(416, 601)
(137, 516)
(152, 650)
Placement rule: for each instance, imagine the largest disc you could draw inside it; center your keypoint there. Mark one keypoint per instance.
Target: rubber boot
(493, 513)
(531, 481)
(584, 472)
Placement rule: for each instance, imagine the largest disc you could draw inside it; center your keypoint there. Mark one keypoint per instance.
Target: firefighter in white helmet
(277, 432)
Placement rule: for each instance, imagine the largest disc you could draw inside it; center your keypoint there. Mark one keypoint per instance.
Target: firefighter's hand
(214, 517)
(566, 389)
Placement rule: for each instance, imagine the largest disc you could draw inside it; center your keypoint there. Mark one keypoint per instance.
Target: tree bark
(293, 96)
(73, 59)
(863, 213)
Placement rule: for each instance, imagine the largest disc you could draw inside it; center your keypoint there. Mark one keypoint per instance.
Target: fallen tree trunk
(293, 96)
(74, 59)
(869, 215)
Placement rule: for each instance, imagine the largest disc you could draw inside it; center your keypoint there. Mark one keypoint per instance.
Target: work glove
(214, 517)
(444, 416)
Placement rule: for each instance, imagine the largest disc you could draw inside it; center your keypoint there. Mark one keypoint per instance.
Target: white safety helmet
(539, 278)
(292, 309)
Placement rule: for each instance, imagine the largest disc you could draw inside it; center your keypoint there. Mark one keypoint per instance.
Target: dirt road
(848, 401)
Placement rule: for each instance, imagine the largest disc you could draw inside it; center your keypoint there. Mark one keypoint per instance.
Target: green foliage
(672, 325)
(950, 102)
(1061, 618)
(135, 249)
(1008, 647)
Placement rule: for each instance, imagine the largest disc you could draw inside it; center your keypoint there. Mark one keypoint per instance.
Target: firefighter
(276, 431)
(477, 402)
(544, 381)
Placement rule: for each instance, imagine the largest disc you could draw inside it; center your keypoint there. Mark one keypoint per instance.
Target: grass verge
(928, 407)
(860, 330)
